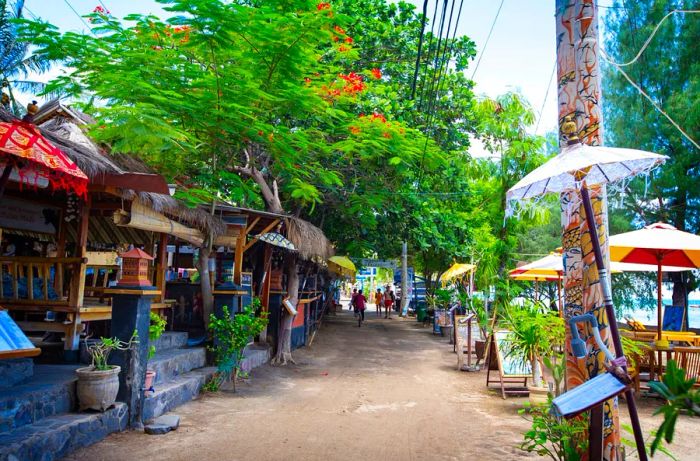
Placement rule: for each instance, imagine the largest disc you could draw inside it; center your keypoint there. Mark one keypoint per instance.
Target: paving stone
(14, 371)
(175, 362)
(162, 425)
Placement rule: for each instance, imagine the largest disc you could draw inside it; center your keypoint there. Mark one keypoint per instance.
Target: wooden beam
(238, 258)
(268, 228)
(267, 267)
(252, 225)
(162, 264)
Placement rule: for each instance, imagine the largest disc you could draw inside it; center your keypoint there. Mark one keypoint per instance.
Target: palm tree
(16, 64)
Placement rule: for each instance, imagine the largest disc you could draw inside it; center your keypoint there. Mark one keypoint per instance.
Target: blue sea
(648, 317)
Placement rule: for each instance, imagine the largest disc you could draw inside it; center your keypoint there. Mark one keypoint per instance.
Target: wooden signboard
(463, 340)
(511, 369)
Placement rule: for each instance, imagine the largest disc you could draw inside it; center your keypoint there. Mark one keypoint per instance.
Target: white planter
(538, 395)
(97, 389)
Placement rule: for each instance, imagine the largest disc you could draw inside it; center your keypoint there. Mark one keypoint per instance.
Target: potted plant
(482, 319)
(155, 331)
(535, 331)
(231, 335)
(98, 384)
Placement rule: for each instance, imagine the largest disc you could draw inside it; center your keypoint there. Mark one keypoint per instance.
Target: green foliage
(231, 336)
(534, 331)
(630, 443)
(556, 364)
(668, 72)
(558, 439)
(156, 328)
(15, 61)
(100, 351)
(680, 398)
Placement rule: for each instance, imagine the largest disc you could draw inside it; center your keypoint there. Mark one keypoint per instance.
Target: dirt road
(386, 391)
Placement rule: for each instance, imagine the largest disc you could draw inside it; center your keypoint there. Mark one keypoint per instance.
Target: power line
(546, 94)
(649, 98)
(651, 36)
(79, 16)
(420, 49)
(488, 37)
(430, 48)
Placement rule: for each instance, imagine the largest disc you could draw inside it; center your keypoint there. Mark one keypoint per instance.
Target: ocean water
(648, 317)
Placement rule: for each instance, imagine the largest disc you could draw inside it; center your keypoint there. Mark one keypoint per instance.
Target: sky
(520, 55)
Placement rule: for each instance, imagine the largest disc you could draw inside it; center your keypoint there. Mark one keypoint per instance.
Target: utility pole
(579, 95)
(404, 279)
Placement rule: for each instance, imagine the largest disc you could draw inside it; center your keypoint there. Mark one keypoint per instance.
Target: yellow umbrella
(342, 265)
(457, 270)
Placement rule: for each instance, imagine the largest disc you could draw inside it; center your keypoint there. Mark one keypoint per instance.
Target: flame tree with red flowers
(248, 102)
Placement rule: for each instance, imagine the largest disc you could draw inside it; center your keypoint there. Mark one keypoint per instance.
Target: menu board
(462, 326)
(512, 364)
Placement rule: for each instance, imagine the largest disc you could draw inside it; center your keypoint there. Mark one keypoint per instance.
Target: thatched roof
(309, 240)
(63, 130)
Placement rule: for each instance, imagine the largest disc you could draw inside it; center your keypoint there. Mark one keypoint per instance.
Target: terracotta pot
(538, 395)
(150, 379)
(97, 389)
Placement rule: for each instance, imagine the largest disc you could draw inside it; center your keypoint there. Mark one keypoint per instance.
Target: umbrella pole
(659, 303)
(610, 311)
(561, 308)
(5, 177)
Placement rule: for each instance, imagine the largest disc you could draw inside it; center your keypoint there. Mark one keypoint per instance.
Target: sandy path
(386, 391)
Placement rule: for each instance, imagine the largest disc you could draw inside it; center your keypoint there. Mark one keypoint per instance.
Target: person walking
(352, 299)
(360, 306)
(378, 298)
(388, 302)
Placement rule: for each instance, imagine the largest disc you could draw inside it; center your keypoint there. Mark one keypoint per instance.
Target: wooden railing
(20, 276)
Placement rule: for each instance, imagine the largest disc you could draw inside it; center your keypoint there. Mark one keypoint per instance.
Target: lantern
(135, 268)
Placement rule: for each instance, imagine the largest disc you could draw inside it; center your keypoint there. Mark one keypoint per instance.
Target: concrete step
(255, 355)
(15, 371)
(54, 437)
(175, 392)
(49, 392)
(171, 340)
(174, 362)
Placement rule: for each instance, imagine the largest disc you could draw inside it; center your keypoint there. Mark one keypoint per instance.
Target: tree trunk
(205, 284)
(284, 343)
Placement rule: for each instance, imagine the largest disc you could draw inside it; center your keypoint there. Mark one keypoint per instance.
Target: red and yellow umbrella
(30, 159)
(659, 244)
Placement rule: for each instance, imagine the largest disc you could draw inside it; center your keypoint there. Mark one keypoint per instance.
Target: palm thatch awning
(62, 126)
(309, 240)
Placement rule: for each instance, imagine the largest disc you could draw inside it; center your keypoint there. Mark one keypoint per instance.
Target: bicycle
(360, 314)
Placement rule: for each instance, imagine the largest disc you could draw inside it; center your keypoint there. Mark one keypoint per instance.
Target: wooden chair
(688, 358)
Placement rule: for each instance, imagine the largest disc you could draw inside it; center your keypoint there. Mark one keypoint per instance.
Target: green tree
(668, 72)
(15, 62)
(237, 99)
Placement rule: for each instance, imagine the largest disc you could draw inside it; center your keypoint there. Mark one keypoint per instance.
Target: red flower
(348, 40)
(386, 135)
(339, 29)
(323, 6)
(354, 130)
(377, 73)
(378, 116)
(260, 133)
(98, 9)
(343, 48)
(335, 39)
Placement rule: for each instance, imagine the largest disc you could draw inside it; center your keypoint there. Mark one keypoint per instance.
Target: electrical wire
(79, 16)
(650, 38)
(546, 94)
(488, 37)
(433, 100)
(420, 49)
(649, 98)
(443, 16)
(430, 48)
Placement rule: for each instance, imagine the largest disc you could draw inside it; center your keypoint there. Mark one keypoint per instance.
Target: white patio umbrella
(578, 166)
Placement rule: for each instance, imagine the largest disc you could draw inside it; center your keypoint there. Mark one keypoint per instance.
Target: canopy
(456, 270)
(35, 161)
(341, 265)
(595, 164)
(658, 244)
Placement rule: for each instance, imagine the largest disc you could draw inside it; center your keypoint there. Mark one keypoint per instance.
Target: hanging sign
(28, 216)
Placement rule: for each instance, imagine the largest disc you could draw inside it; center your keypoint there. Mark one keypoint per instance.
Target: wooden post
(77, 289)
(265, 291)
(162, 268)
(238, 255)
(578, 76)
